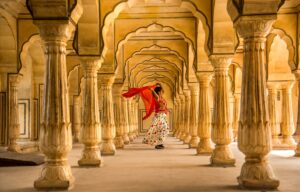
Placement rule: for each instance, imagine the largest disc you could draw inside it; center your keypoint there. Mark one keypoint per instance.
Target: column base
(75, 139)
(276, 143)
(187, 139)
(204, 147)
(222, 157)
(177, 134)
(126, 139)
(108, 148)
(182, 136)
(55, 177)
(119, 142)
(288, 143)
(131, 137)
(194, 142)
(14, 148)
(91, 157)
(297, 151)
(257, 174)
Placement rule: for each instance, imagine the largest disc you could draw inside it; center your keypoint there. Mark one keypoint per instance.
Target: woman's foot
(159, 147)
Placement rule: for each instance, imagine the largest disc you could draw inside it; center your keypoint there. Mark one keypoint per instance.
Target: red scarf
(147, 97)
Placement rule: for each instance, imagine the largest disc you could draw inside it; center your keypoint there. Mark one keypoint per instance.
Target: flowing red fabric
(147, 97)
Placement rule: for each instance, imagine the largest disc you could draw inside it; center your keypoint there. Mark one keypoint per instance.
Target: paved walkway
(140, 168)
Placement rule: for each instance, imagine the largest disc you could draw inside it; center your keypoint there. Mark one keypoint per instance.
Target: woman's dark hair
(158, 88)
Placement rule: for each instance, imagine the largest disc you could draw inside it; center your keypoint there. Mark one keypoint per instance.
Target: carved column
(177, 131)
(297, 151)
(108, 123)
(119, 117)
(204, 121)
(221, 129)
(56, 130)
(91, 127)
(136, 116)
(273, 122)
(254, 136)
(14, 123)
(130, 119)
(297, 75)
(236, 114)
(124, 111)
(194, 112)
(76, 118)
(287, 126)
(182, 118)
(187, 95)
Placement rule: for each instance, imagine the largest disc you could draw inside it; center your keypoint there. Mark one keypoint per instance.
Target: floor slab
(140, 168)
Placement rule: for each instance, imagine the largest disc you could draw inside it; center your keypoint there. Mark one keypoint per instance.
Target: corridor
(140, 168)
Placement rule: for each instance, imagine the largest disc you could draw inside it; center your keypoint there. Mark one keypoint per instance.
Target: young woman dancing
(152, 97)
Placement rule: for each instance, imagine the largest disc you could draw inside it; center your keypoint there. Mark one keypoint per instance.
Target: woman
(154, 101)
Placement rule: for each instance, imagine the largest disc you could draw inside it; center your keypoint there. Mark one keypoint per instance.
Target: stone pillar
(221, 129)
(287, 125)
(204, 119)
(108, 123)
(273, 122)
(174, 117)
(194, 112)
(254, 136)
(136, 115)
(236, 114)
(178, 107)
(130, 119)
(56, 130)
(76, 118)
(14, 123)
(182, 118)
(187, 138)
(119, 116)
(91, 127)
(297, 151)
(124, 111)
(297, 75)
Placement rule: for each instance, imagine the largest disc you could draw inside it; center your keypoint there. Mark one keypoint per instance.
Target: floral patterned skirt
(158, 130)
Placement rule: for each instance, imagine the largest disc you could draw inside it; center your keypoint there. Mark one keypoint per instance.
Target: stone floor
(140, 168)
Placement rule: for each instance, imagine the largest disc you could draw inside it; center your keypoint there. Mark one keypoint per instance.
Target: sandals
(159, 147)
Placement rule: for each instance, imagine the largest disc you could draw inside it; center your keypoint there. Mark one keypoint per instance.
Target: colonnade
(193, 123)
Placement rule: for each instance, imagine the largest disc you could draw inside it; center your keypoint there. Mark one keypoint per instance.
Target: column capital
(254, 25)
(273, 84)
(106, 79)
(55, 30)
(221, 61)
(187, 93)
(194, 87)
(90, 64)
(14, 79)
(76, 100)
(287, 84)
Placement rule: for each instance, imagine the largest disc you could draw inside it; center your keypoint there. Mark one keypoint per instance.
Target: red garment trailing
(147, 97)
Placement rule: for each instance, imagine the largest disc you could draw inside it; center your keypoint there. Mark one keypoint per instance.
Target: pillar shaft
(14, 123)
(236, 114)
(254, 136)
(130, 119)
(76, 118)
(108, 123)
(204, 124)
(119, 117)
(287, 127)
(91, 127)
(221, 129)
(188, 137)
(273, 120)
(182, 118)
(56, 130)
(194, 111)
(126, 123)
